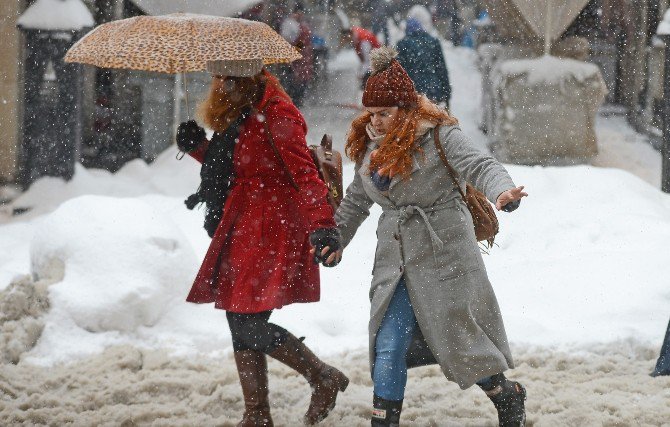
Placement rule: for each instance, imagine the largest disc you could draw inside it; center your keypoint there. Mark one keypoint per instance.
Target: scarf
(383, 182)
(216, 174)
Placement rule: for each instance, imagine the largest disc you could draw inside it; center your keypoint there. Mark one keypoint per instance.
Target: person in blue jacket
(421, 56)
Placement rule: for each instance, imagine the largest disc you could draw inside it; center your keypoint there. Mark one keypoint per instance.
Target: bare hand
(510, 196)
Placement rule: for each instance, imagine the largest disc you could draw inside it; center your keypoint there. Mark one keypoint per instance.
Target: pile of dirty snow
(601, 385)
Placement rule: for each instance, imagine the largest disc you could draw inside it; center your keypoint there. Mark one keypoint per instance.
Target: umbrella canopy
(179, 43)
(528, 19)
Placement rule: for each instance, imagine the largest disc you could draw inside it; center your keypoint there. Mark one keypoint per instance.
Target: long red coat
(259, 257)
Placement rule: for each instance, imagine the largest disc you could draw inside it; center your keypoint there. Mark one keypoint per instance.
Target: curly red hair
(397, 148)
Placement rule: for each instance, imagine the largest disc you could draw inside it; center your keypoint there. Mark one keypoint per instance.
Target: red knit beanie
(389, 85)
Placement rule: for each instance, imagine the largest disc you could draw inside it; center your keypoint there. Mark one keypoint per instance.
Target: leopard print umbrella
(179, 43)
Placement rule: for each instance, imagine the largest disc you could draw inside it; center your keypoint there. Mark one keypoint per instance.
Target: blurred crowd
(318, 30)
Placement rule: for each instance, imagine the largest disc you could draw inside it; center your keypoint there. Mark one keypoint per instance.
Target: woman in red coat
(257, 167)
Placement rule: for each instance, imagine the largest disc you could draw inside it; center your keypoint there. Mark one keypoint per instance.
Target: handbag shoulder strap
(443, 156)
(274, 147)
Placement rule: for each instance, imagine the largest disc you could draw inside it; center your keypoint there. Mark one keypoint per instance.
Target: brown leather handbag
(327, 161)
(483, 215)
(329, 164)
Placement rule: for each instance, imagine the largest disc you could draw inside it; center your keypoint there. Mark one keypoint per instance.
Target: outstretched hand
(509, 200)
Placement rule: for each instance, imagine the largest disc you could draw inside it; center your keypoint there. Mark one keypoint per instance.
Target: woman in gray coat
(431, 300)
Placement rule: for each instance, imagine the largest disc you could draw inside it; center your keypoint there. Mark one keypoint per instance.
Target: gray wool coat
(425, 233)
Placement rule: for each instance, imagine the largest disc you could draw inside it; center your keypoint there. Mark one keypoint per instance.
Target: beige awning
(203, 7)
(527, 19)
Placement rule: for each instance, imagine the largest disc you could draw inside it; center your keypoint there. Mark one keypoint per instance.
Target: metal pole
(665, 150)
(547, 29)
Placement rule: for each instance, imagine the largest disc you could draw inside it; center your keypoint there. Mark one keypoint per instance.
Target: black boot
(508, 398)
(386, 413)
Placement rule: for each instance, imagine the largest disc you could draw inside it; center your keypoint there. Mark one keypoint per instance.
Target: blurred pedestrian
(421, 56)
(429, 287)
(265, 204)
(447, 19)
(379, 14)
(363, 41)
(663, 362)
(298, 74)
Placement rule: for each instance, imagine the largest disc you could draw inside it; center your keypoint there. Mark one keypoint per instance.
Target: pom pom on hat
(380, 58)
(388, 85)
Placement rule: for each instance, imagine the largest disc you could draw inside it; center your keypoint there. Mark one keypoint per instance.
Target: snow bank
(166, 175)
(582, 261)
(118, 260)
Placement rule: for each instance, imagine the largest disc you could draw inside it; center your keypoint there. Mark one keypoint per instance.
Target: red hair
(397, 148)
(222, 107)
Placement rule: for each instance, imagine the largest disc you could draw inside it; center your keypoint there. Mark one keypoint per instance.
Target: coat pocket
(459, 255)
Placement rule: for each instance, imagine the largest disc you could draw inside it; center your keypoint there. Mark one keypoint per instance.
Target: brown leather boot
(252, 368)
(325, 380)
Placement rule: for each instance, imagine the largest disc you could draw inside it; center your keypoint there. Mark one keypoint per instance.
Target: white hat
(235, 67)
(421, 14)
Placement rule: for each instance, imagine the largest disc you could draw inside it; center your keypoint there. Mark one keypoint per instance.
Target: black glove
(511, 206)
(382, 182)
(322, 237)
(189, 136)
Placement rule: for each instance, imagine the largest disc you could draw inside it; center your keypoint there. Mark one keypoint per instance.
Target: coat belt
(406, 212)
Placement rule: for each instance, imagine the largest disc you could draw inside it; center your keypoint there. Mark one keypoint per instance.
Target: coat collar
(424, 134)
(271, 92)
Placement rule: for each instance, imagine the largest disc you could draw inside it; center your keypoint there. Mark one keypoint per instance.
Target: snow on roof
(549, 69)
(204, 7)
(63, 15)
(664, 27)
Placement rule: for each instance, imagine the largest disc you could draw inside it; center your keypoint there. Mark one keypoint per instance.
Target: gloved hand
(325, 237)
(511, 206)
(382, 182)
(189, 136)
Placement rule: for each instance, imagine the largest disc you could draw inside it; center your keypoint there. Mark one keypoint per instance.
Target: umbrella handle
(188, 107)
(180, 154)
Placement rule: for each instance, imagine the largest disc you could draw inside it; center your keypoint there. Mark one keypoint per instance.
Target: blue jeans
(394, 337)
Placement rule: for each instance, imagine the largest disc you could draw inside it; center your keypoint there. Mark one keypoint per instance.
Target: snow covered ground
(580, 273)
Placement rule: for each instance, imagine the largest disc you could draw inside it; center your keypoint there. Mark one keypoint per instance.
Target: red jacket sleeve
(288, 130)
